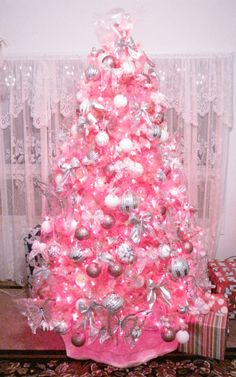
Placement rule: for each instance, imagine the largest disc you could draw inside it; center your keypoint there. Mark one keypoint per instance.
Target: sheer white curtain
(37, 102)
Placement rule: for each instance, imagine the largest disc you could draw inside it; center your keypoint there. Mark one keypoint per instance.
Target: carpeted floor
(160, 367)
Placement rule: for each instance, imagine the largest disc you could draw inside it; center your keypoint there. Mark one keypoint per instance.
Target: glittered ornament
(182, 336)
(113, 303)
(115, 269)
(120, 101)
(79, 255)
(168, 334)
(78, 339)
(125, 253)
(102, 139)
(93, 270)
(179, 267)
(129, 201)
(54, 249)
(108, 221)
(82, 233)
(92, 73)
(187, 247)
(164, 251)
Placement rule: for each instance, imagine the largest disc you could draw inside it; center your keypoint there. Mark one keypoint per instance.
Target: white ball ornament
(102, 139)
(112, 201)
(136, 169)
(164, 135)
(182, 336)
(120, 101)
(126, 145)
(73, 130)
(46, 226)
(164, 251)
(127, 68)
(224, 310)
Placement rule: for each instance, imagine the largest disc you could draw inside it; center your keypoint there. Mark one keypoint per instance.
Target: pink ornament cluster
(120, 251)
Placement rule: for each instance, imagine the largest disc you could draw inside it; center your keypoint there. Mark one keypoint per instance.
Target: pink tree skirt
(118, 352)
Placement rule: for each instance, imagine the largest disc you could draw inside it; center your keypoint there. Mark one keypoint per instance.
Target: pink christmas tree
(116, 271)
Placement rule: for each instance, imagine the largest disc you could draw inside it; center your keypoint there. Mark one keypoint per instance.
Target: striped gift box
(207, 336)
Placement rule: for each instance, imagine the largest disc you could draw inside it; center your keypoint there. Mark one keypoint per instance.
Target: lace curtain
(37, 102)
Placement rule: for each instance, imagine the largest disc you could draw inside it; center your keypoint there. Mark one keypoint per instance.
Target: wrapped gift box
(208, 333)
(223, 275)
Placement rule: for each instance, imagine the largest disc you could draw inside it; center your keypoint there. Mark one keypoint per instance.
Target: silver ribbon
(134, 326)
(141, 112)
(131, 47)
(152, 292)
(88, 317)
(142, 225)
(69, 171)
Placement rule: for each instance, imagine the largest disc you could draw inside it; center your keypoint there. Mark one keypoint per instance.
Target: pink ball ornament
(182, 336)
(78, 339)
(187, 247)
(82, 233)
(93, 270)
(168, 334)
(120, 101)
(115, 269)
(109, 61)
(108, 221)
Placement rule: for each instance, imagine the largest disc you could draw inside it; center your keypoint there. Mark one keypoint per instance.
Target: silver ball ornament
(182, 309)
(160, 176)
(154, 132)
(179, 268)
(93, 270)
(82, 233)
(78, 339)
(115, 269)
(109, 61)
(79, 255)
(108, 221)
(168, 334)
(129, 201)
(187, 247)
(113, 303)
(92, 73)
(125, 253)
